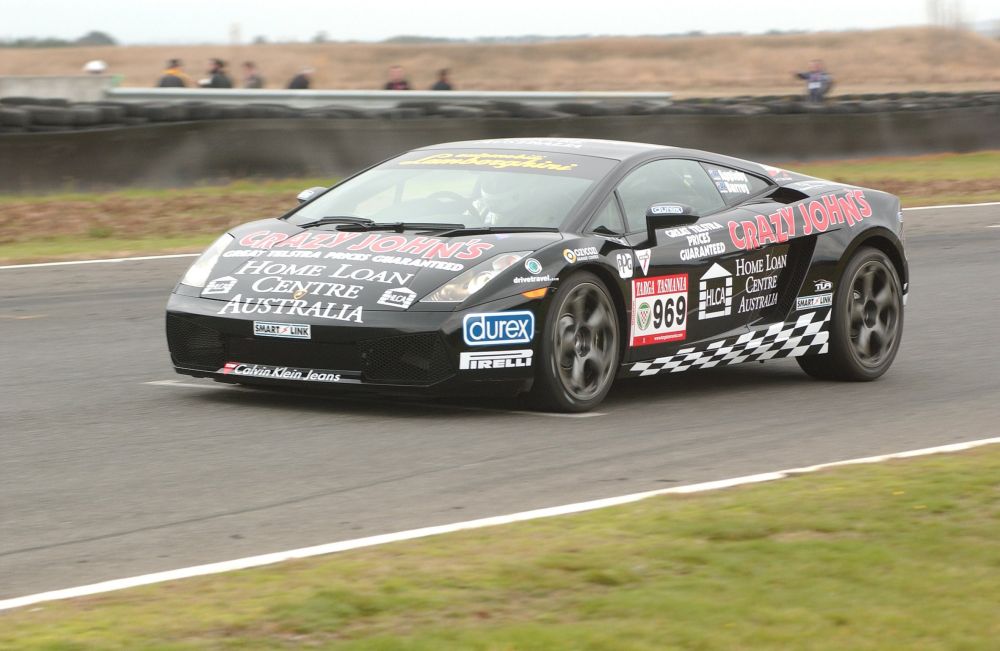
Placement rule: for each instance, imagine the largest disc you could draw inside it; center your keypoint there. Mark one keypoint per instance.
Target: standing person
(251, 75)
(302, 81)
(397, 79)
(173, 76)
(443, 82)
(818, 80)
(217, 77)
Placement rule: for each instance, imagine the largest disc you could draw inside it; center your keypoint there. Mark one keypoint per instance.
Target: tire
(580, 347)
(866, 326)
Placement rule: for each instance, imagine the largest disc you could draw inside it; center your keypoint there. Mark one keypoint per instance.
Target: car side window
(609, 216)
(734, 185)
(664, 181)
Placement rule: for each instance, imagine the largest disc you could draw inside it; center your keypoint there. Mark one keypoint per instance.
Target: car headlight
(197, 274)
(471, 281)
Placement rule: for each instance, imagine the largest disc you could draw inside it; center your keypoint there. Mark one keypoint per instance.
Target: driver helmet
(500, 194)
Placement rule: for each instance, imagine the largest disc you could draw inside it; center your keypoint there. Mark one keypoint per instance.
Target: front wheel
(866, 324)
(579, 349)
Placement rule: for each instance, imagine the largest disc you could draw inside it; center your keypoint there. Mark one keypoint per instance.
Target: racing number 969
(668, 312)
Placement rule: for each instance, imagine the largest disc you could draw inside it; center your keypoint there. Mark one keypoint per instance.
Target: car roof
(613, 149)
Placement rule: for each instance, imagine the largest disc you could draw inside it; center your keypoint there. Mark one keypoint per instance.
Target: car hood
(377, 270)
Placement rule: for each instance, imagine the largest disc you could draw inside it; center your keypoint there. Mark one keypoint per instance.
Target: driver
(504, 197)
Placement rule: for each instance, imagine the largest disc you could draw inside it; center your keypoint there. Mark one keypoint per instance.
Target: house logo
(715, 293)
(222, 285)
(400, 297)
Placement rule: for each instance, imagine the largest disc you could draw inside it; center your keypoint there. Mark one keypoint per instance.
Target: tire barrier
(48, 145)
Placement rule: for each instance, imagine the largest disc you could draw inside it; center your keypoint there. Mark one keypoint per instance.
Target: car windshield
(473, 188)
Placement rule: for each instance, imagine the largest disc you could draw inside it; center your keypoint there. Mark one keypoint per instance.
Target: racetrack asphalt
(103, 475)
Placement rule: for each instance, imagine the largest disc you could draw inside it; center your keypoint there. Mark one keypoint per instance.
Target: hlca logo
(399, 297)
(222, 285)
(715, 293)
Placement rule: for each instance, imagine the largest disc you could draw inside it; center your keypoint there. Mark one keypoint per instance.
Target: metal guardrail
(372, 99)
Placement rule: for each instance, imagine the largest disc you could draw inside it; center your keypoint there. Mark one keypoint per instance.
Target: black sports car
(548, 266)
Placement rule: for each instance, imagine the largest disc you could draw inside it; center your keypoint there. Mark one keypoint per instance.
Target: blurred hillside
(882, 60)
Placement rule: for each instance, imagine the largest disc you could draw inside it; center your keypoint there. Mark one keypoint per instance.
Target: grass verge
(901, 555)
(138, 222)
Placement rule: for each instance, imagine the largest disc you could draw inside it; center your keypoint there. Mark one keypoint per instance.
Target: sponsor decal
(288, 330)
(625, 263)
(279, 372)
(343, 271)
(699, 240)
(759, 276)
(222, 285)
(573, 256)
(533, 266)
(690, 229)
(659, 309)
(817, 300)
(400, 297)
(243, 253)
(417, 262)
(282, 253)
(808, 217)
(822, 285)
(479, 360)
(534, 279)
(666, 209)
(496, 161)
(643, 256)
(428, 248)
(293, 307)
(715, 293)
(498, 328)
(729, 181)
(536, 142)
(299, 288)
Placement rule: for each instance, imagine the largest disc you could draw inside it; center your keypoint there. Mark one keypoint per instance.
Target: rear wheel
(866, 324)
(579, 350)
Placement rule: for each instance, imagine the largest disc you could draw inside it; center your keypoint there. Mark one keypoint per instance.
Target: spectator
(443, 83)
(397, 79)
(251, 75)
(217, 77)
(818, 81)
(302, 81)
(173, 76)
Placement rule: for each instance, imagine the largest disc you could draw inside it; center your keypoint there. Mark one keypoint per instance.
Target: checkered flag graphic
(808, 335)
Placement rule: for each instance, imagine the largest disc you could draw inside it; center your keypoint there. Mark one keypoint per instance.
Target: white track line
(69, 262)
(371, 541)
(191, 255)
(957, 205)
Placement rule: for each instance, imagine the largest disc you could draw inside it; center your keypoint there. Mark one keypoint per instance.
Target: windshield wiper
(486, 230)
(399, 227)
(336, 219)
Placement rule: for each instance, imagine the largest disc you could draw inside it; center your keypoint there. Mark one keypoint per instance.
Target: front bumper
(400, 351)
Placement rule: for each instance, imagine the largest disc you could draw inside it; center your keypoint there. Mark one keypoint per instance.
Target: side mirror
(306, 195)
(667, 215)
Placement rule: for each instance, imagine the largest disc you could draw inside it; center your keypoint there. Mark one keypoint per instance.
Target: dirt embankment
(869, 61)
